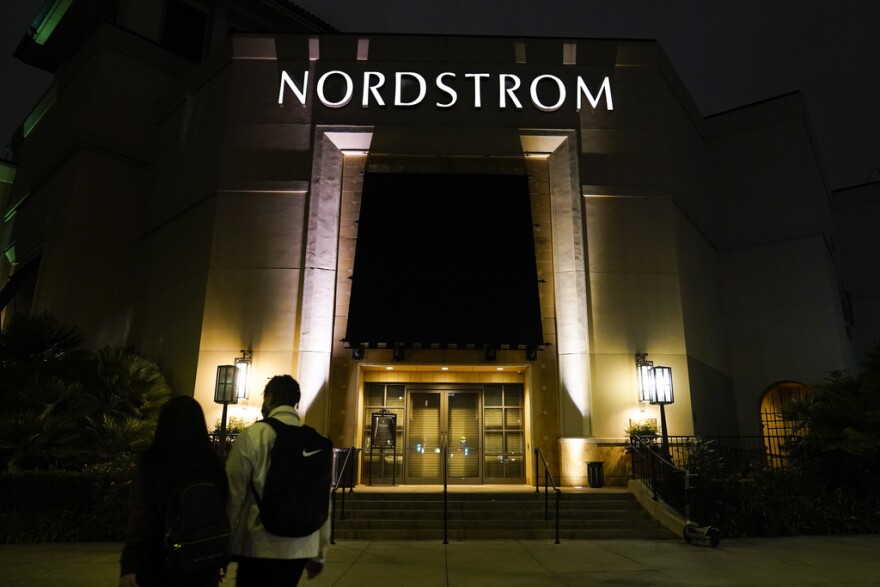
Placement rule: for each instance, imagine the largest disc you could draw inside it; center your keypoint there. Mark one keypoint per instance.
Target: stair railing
(548, 481)
(444, 449)
(341, 474)
(654, 467)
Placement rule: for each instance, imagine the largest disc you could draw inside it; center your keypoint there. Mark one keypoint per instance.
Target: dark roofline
(305, 14)
(753, 104)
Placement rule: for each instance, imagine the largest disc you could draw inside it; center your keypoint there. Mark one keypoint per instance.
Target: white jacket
(249, 458)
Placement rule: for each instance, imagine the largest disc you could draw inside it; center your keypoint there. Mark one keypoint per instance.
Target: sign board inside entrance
(384, 430)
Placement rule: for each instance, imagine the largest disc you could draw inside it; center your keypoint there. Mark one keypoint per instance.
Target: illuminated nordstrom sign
(547, 93)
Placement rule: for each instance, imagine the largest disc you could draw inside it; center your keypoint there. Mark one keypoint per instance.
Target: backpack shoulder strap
(279, 427)
(274, 423)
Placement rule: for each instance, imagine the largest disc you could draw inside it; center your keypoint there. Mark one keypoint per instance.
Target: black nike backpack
(296, 496)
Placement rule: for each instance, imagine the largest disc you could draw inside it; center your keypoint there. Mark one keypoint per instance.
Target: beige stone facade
(188, 213)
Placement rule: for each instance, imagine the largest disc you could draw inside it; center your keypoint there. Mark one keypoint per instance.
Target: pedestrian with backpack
(279, 482)
(177, 531)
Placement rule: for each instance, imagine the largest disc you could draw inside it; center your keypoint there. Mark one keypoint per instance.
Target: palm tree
(129, 390)
(65, 407)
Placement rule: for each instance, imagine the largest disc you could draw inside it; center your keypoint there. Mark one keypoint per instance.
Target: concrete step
(489, 514)
(500, 525)
(549, 534)
(401, 515)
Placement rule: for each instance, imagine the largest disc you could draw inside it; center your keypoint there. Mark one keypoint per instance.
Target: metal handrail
(548, 480)
(655, 468)
(444, 439)
(341, 474)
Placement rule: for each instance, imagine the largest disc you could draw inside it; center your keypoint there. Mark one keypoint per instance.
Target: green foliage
(62, 506)
(129, 385)
(67, 408)
(773, 502)
(644, 428)
(831, 484)
(40, 340)
(234, 425)
(47, 432)
(839, 444)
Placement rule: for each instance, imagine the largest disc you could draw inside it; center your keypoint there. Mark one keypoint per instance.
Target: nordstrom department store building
(478, 234)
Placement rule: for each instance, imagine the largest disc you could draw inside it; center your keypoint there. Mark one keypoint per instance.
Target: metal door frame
(443, 390)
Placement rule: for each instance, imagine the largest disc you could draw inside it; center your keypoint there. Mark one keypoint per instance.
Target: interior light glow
(663, 393)
(243, 365)
(224, 386)
(647, 383)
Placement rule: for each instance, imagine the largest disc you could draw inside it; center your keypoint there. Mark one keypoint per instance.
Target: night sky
(728, 53)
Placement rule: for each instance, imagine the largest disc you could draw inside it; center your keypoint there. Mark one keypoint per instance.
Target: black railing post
(546, 494)
(340, 477)
(333, 518)
(537, 483)
(445, 440)
(558, 496)
(548, 480)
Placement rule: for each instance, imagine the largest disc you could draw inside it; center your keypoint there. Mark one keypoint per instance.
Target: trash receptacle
(595, 474)
(347, 477)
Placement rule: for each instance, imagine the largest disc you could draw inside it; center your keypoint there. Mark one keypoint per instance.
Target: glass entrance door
(443, 416)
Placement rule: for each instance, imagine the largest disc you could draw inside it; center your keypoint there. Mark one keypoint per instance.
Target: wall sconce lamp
(491, 353)
(398, 352)
(663, 395)
(646, 377)
(243, 366)
(357, 352)
(655, 387)
(225, 393)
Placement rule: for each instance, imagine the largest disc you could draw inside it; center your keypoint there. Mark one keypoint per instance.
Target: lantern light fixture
(655, 387)
(663, 392)
(225, 393)
(243, 369)
(225, 385)
(645, 370)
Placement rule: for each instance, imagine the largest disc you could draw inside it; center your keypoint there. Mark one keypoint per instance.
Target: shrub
(643, 428)
(234, 425)
(66, 506)
(775, 502)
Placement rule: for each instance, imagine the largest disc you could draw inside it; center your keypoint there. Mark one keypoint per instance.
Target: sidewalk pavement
(822, 560)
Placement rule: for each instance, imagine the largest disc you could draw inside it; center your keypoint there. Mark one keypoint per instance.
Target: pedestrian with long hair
(180, 453)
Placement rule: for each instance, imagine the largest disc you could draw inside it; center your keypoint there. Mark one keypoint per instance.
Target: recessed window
(363, 50)
(519, 52)
(569, 53)
(184, 29)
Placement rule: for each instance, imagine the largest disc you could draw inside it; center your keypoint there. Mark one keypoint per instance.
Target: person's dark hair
(181, 450)
(284, 390)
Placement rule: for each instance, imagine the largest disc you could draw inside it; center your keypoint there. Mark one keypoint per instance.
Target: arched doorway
(776, 428)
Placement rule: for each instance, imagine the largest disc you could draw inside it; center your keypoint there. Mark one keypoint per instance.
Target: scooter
(701, 534)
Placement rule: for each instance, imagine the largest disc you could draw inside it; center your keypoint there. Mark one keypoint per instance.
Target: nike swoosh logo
(308, 453)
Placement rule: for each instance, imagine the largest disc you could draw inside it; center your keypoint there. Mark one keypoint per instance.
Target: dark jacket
(155, 483)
